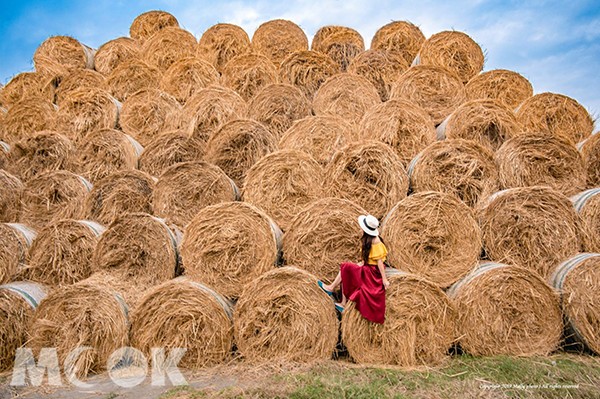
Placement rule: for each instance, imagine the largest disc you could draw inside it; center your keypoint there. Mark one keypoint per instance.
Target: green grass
(462, 376)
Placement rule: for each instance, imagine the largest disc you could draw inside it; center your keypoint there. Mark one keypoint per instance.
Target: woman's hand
(386, 283)
(361, 263)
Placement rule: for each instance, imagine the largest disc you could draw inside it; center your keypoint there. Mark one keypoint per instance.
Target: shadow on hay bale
(278, 106)
(435, 89)
(587, 205)
(590, 151)
(434, 235)
(340, 43)
(506, 310)
(555, 114)
(539, 159)
(61, 253)
(44, 151)
(11, 190)
(404, 126)
(307, 70)
(453, 50)
(167, 46)
(148, 23)
(187, 76)
(419, 328)
(106, 151)
(507, 87)
(130, 76)
(222, 42)
(400, 37)
(381, 68)
(319, 136)
(284, 315)
(456, 166)
(370, 174)
(347, 96)
(247, 74)
(227, 245)
(184, 314)
(58, 54)
(114, 52)
(119, 193)
(282, 183)
(323, 234)
(186, 187)
(577, 280)
(15, 241)
(278, 38)
(532, 227)
(18, 302)
(52, 196)
(168, 149)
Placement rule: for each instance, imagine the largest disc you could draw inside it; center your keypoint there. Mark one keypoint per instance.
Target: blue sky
(555, 44)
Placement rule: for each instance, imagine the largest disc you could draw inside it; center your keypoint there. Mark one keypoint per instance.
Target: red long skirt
(363, 285)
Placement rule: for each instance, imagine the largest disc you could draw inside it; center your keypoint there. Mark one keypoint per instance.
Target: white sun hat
(369, 224)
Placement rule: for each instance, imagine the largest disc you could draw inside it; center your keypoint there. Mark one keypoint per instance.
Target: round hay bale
(106, 151)
(119, 193)
(148, 23)
(185, 188)
(506, 310)
(461, 167)
(187, 76)
(222, 42)
(278, 38)
(590, 151)
(167, 149)
(404, 126)
(168, 46)
(11, 190)
(18, 302)
(368, 173)
(507, 87)
(532, 227)
(401, 37)
(138, 249)
(41, 152)
(577, 280)
(15, 241)
(148, 113)
(319, 136)
(131, 76)
(455, 51)
(80, 78)
(85, 110)
(209, 109)
(184, 314)
(381, 68)
(114, 52)
(229, 244)
(83, 314)
(307, 70)
(23, 86)
(340, 43)
(346, 95)
(238, 145)
(555, 114)
(419, 328)
(282, 183)
(247, 74)
(587, 205)
(539, 159)
(277, 106)
(61, 254)
(283, 315)
(54, 195)
(58, 54)
(433, 88)
(485, 121)
(26, 117)
(434, 235)
(323, 234)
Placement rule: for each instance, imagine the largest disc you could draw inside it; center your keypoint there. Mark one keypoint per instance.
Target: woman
(364, 283)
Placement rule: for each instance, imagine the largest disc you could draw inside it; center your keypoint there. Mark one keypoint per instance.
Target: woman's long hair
(367, 243)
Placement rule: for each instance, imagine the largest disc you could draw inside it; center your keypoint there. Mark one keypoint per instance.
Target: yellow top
(378, 251)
